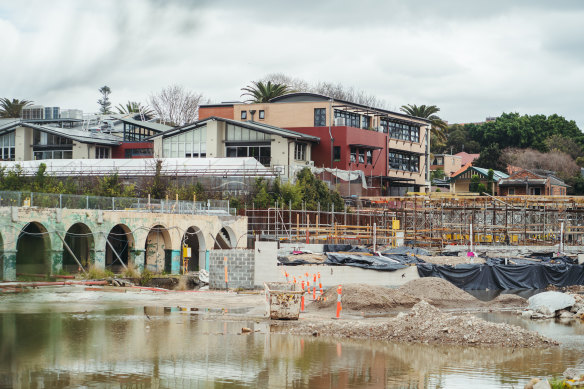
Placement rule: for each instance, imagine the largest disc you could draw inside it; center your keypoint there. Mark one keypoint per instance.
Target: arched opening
(225, 239)
(80, 240)
(195, 240)
(158, 250)
(32, 250)
(119, 243)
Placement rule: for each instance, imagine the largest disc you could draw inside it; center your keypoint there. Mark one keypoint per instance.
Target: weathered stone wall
(240, 269)
(55, 223)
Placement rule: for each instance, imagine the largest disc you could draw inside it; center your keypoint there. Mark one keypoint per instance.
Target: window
(353, 157)
(361, 156)
(337, 153)
(7, 147)
(404, 162)
(511, 191)
(53, 154)
(300, 151)
(319, 117)
(365, 122)
(262, 114)
(401, 131)
(351, 119)
(189, 144)
(101, 152)
(260, 152)
(369, 157)
(134, 133)
(243, 115)
(141, 153)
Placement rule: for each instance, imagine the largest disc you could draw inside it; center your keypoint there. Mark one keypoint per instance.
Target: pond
(65, 344)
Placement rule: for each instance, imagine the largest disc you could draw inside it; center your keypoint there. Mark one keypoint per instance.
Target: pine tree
(104, 102)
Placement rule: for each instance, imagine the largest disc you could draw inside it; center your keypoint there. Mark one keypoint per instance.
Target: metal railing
(55, 200)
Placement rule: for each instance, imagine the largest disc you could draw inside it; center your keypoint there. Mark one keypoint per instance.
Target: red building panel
(345, 137)
(226, 112)
(137, 149)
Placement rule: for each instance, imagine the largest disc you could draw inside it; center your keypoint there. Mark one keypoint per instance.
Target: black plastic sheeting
(496, 276)
(348, 248)
(363, 261)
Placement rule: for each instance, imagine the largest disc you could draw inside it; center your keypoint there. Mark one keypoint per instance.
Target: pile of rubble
(550, 305)
(427, 324)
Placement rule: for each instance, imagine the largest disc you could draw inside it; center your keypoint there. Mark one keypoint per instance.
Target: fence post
(113, 203)
(31, 199)
(227, 206)
(60, 200)
(86, 202)
(19, 199)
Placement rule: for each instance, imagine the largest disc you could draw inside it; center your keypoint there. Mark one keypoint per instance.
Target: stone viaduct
(51, 240)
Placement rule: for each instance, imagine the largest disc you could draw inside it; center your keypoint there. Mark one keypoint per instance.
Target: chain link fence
(53, 200)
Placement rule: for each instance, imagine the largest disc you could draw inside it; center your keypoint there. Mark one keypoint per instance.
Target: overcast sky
(472, 59)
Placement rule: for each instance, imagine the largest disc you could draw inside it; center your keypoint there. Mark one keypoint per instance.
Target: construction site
(434, 222)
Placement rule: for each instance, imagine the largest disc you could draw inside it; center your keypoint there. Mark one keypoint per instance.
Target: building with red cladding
(391, 148)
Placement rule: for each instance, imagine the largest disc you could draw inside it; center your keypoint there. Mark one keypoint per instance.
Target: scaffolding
(433, 221)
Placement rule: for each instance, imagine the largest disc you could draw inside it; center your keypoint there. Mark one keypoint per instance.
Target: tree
(490, 158)
(566, 145)
(135, 107)
(475, 181)
(329, 89)
(260, 92)
(12, 108)
(554, 161)
(438, 126)
(176, 106)
(104, 102)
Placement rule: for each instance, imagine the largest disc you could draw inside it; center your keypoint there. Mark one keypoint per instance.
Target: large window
(365, 121)
(243, 142)
(189, 144)
(50, 146)
(351, 119)
(401, 131)
(139, 153)
(7, 147)
(369, 157)
(319, 117)
(134, 133)
(260, 152)
(353, 156)
(404, 161)
(300, 151)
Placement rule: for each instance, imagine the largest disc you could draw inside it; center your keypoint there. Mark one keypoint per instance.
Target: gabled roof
(9, 123)
(149, 125)
(497, 175)
(255, 126)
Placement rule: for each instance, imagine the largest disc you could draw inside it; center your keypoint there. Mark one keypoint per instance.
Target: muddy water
(156, 347)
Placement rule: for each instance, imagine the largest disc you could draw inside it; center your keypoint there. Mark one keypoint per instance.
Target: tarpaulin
(364, 261)
(335, 248)
(494, 276)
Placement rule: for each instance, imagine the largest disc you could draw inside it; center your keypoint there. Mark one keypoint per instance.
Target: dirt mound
(427, 324)
(438, 292)
(507, 300)
(360, 297)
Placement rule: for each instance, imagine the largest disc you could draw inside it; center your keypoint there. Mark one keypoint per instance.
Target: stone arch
(225, 238)
(33, 248)
(120, 239)
(80, 240)
(195, 239)
(158, 250)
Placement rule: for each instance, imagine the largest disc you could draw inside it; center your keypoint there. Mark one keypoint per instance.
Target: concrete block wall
(240, 269)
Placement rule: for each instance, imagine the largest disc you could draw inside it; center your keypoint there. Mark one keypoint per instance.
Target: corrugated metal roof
(77, 135)
(497, 175)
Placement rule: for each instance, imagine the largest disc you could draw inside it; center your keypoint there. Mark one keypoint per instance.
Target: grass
(94, 273)
(130, 272)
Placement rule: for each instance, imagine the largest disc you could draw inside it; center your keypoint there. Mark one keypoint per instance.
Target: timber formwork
(432, 221)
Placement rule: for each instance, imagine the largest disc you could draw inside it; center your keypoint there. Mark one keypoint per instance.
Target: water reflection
(171, 347)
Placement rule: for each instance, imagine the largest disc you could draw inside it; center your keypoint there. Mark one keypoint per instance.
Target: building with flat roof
(390, 148)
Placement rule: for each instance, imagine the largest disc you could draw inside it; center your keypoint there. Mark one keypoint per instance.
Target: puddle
(178, 347)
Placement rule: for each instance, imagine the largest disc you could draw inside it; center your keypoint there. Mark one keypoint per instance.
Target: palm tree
(135, 107)
(263, 93)
(12, 109)
(428, 112)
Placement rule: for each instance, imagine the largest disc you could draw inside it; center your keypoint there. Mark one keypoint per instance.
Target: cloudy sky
(472, 59)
